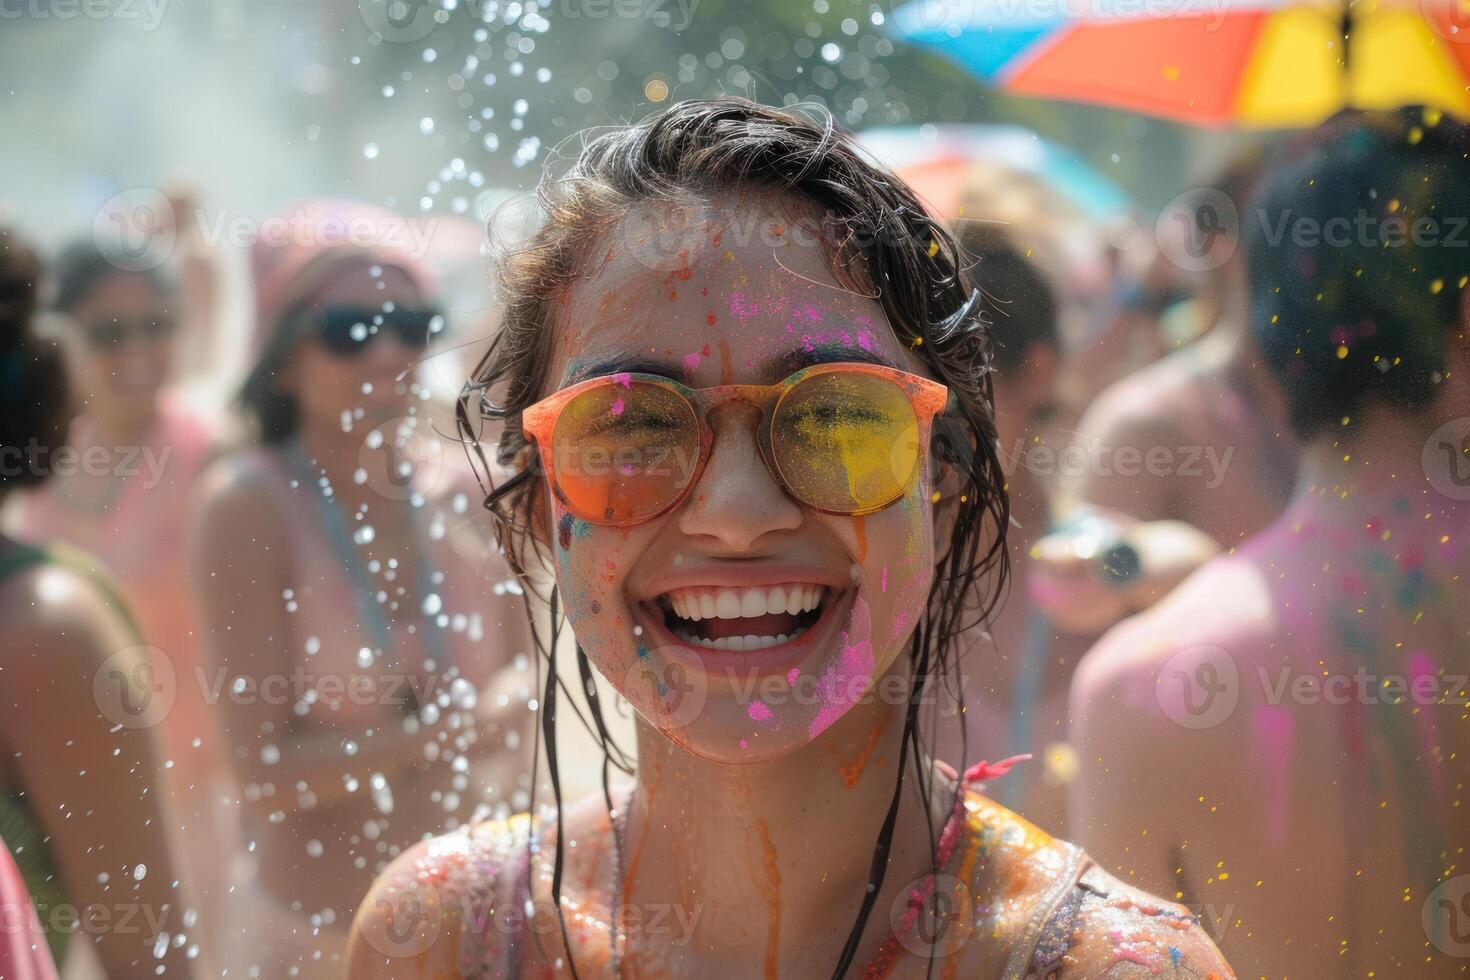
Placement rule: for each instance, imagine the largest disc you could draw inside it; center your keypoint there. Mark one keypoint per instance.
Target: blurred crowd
(259, 639)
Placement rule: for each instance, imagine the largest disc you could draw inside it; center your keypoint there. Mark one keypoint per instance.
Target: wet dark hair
(878, 238)
(1366, 313)
(82, 266)
(272, 408)
(1019, 300)
(33, 395)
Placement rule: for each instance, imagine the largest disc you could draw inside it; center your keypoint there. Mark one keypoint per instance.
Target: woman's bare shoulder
(1118, 931)
(446, 907)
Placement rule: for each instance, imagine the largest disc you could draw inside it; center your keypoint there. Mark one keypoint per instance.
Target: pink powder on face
(843, 682)
(617, 407)
(691, 362)
(792, 675)
(742, 306)
(625, 379)
(883, 582)
(759, 711)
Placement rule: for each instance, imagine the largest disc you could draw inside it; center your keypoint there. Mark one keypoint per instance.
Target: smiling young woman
(744, 381)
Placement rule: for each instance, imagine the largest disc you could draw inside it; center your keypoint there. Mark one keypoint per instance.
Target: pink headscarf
(294, 249)
(23, 951)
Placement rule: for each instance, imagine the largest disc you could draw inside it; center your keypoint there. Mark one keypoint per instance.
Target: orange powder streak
(727, 370)
(860, 528)
(772, 893)
(852, 773)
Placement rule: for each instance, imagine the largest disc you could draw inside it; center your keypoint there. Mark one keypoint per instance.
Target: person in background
(82, 800)
(133, 452)
(353, 608)
(1182, 459)
(23, 951)
(1282, 740)
(1017, 672)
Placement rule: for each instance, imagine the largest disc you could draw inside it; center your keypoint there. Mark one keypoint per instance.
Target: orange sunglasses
(844, 438)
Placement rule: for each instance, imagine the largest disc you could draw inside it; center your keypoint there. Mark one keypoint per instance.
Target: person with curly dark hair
(1282, 739)
(743, 384)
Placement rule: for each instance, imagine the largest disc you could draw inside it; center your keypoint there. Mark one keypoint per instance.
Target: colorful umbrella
(1263, 63)
(945, 154)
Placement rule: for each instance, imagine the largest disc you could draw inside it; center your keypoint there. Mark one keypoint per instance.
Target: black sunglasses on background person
(348, 330)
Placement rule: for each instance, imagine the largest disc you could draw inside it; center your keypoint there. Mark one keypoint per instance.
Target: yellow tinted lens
(624, 452)
(846, 442)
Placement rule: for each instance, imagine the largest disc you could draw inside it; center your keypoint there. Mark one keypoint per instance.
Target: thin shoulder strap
(1048, 933)
(26, 556)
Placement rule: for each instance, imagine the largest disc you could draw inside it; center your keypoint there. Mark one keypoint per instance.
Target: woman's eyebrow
(625, 365)
(802, 357)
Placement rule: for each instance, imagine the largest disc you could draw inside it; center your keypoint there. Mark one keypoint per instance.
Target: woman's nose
(737, 500)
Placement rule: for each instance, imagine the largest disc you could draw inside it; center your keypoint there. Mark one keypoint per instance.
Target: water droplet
(364, 534)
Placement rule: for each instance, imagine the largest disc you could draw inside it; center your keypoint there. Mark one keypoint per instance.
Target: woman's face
(740, 300)
(120, 347)
(329, 382)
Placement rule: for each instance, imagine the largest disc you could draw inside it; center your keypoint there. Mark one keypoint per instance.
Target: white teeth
(745, 603)
(741, 643)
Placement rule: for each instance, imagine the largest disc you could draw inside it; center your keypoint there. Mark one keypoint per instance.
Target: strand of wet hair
(548, 728)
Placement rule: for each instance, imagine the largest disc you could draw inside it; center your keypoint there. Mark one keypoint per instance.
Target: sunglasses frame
(538, 424)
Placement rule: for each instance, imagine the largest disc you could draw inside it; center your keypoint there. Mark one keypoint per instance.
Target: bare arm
(88, 766)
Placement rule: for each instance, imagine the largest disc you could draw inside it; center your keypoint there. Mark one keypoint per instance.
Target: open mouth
(743, 619)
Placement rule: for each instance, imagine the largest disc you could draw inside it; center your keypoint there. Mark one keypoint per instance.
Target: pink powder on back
(1273, 730)
(843, 682)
